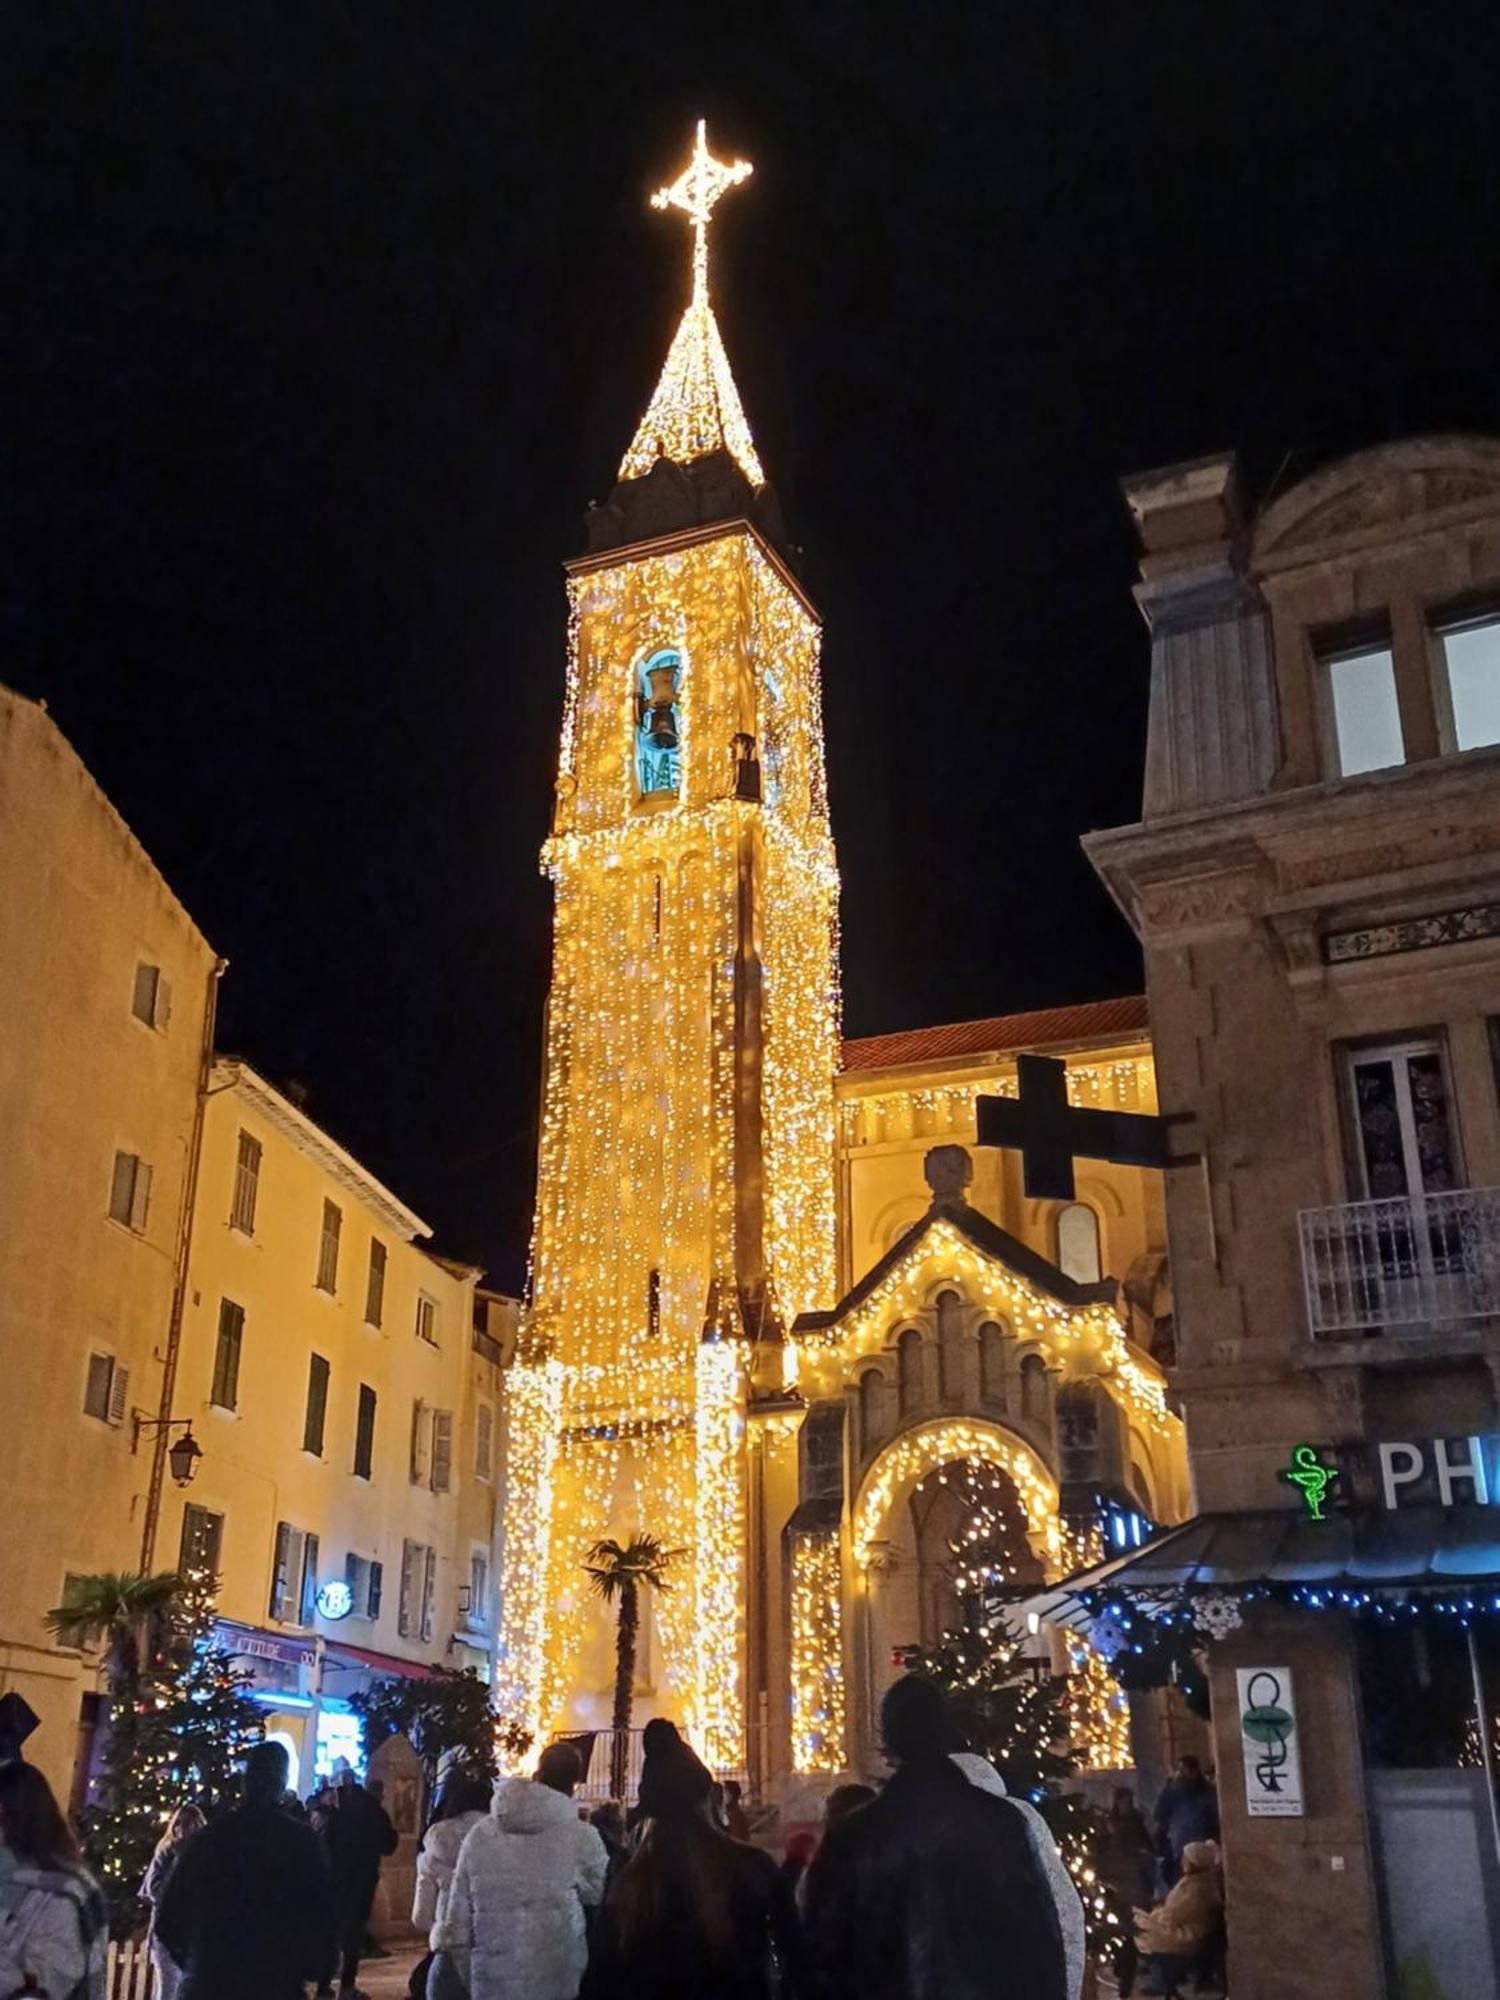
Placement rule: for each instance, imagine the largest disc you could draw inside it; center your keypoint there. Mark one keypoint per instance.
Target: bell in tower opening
(657, 723)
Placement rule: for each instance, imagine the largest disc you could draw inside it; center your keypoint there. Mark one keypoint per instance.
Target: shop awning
(1424, 1548)
(341, 1655)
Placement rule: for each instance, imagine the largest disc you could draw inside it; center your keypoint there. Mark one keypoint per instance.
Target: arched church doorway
(947, 1509)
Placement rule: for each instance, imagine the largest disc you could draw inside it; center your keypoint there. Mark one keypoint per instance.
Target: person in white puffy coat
(514, 1923)
(464, 1802)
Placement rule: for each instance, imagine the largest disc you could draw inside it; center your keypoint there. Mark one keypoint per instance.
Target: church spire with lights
(696, 409)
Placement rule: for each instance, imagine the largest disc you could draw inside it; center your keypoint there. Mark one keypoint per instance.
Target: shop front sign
(1268, 1737)
(1396, 1472)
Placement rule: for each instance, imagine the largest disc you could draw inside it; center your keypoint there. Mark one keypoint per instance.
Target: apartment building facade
(1316, 883)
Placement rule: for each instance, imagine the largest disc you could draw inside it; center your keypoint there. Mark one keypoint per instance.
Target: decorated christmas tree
(176, 1737)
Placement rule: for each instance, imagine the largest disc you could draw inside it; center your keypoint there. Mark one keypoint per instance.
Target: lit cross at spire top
(696, 408)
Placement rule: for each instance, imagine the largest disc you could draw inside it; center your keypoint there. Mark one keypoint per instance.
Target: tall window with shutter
(427, 1319)
(442, 1451)
(315, 1417)
(107, 1389)
(429, 1591)
(484, 1442)
(375, 1284)
(202, 1540)
(364, 1432)
(130, 1191)
(225, 1389)
(421, 1435)
(327, 1279)
(246, 1185)
(151, 997)
(294, 1575)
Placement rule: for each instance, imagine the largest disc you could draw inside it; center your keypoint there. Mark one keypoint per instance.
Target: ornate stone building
(1316, 881)
(757, 1331)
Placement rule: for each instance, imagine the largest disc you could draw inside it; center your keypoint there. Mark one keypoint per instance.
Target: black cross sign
(1049, 1133)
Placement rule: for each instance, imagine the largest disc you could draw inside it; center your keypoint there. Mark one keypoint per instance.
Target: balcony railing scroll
(1420, 1260)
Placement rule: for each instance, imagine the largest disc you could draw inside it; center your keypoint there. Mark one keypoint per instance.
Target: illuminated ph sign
(1448, 1470)
(1311, 1476)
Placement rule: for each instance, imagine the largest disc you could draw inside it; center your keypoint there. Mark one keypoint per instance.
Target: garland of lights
(927, 1448)
(817, 1675)
(867, 1118)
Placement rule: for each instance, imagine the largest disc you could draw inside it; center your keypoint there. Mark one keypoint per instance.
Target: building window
(909, 1370)
(1363, 710)
(315, 1417)
(1469, 701)
(246, 1184)
(871, 1409)
(1401, 1111)
(991, 1363)
(1078, 1243)
(484, 1442)
(653, 1304)
(414, 1611)
(479, 1589)
(442, 1451)
(151, 998)
(106, 1390)
(225, 1390)
(294, 1576)
(427, 1318)
(364, 1432)
(657, 730)
(202, 1541)
(327, 1279)
(130, 1191)
(950, 1347)
(375, 1284)
(365, 1579)
(1034, 1389)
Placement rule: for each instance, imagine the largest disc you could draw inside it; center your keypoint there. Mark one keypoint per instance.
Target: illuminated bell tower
(685, 1201)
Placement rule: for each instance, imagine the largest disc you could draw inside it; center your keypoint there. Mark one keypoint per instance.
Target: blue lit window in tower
(656, 726)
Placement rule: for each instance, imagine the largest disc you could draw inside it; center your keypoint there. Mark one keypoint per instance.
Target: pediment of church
(1379, 491)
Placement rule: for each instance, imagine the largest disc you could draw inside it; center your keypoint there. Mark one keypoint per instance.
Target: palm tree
(618, 1572)
(124, 1609)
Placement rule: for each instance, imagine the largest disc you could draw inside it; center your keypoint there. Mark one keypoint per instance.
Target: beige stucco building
(179, 1240)
(106, 1006)
(1316, 882)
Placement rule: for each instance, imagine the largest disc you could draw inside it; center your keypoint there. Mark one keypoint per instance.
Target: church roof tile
(1001, 1034)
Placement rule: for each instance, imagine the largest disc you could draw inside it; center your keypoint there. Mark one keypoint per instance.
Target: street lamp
(183, 1453)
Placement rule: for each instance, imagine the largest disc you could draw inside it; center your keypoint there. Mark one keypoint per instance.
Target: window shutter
(119, 1387)
(315, 1421)
(226, 1383)
(442, 1451)
(376, 1586)
(96, 1392)
(419, 1434)
(375, 1284)
(145, 999)
(484, 1441)
(280, 1569)
(429, 1589)
(163, 1002)
(404, 1604)
(364, 1432)
(307, 1609)
(140, 1196)
(122, 1187)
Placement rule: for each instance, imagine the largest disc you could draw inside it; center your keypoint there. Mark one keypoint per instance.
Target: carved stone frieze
(1198, 903)
(1414, 847)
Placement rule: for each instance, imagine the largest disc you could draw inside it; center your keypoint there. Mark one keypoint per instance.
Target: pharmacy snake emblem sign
(1268, 1733)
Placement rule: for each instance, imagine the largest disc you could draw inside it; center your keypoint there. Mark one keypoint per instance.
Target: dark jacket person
(248, 1911)
(693, 1915)
(932, 1892)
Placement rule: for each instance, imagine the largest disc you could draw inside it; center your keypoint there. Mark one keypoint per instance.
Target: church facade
(784, 1316)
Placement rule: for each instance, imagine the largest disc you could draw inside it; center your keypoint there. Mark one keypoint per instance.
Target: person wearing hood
(462, 1804)
(1178, 1931)
(932, 1891)
(52, 1918)
(1064, 1891)
(514, 1927)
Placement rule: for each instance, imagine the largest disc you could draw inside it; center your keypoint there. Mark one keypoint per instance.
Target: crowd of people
(917, 1891)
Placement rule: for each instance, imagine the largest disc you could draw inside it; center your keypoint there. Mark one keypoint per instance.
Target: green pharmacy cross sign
(1308, 1472)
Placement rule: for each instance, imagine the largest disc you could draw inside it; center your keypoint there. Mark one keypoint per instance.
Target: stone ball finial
(948, 1171)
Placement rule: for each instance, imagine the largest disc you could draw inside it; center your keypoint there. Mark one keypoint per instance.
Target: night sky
(324, 321)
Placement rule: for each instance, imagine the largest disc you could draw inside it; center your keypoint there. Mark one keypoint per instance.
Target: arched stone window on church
(657, 723)
(909, 1370)
(871, 1409)
(1078, 1243)
(950, 1345)
(991, 1363)
(1034, 1396)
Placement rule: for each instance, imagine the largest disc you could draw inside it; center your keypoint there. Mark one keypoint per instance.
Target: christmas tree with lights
(176, 1737)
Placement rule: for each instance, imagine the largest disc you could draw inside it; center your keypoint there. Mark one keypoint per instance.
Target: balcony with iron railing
(1403, 1265)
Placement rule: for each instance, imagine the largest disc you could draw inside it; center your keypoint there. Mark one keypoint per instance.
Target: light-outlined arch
(924, 1448)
